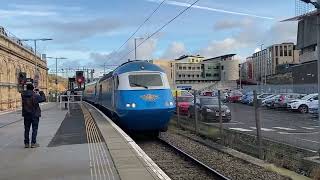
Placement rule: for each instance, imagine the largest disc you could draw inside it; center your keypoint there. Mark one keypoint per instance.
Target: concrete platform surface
(106, 153)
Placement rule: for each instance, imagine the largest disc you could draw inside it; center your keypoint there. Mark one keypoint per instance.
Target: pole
(177, 109)
(239, 77)
(35, 56)
(56, 79)
(258, 123)
(318, 62)
(135, 49)
(195, 111)
(220, 115)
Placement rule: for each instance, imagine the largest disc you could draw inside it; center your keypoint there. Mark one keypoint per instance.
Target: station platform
(84, 144)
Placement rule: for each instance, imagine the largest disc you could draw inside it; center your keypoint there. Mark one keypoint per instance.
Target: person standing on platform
(31, 112)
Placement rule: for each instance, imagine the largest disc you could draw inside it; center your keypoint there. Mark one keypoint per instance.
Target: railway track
(176, 163)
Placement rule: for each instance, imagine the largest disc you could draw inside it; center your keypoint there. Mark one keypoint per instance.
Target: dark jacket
(30, 104)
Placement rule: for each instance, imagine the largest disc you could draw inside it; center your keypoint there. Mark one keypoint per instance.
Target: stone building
(16, 57)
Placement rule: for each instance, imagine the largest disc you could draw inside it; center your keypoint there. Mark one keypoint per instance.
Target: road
(300, 130)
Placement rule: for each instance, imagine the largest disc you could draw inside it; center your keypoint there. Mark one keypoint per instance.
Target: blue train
(137, 94)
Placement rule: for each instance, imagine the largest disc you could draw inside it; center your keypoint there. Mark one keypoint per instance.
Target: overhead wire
(162, 27)
(144, 22)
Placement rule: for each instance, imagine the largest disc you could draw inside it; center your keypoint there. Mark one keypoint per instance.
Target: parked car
(207, 93)
(184, 103)
(208, 110)
(235, 96)
(245, 99)
(313, 108)
(270, 101)
(260, 98)
(302, 105)
(285, 99)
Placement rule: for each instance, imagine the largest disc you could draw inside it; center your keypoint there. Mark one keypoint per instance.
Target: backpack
(29, 105)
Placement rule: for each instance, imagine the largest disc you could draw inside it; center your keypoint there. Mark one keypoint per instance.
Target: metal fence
(266, 133)
(69, 101)
(288, 88)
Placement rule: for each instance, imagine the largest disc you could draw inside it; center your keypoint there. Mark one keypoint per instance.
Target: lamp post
(35, 53)
(56, 58)
(135, 47)
(316, 4)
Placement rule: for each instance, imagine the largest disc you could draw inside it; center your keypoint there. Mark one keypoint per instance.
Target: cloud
(75, 30)
(174, 50)
(250, 37)
(232, 24)
(15, 13)
(182, 4)
(217, 48)
(144, 52)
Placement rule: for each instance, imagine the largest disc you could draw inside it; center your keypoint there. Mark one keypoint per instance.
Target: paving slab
(61, 162)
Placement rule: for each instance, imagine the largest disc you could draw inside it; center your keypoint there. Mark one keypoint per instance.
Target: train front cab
(143, 101)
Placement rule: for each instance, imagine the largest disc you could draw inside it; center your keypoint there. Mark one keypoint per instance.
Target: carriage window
(145, 80)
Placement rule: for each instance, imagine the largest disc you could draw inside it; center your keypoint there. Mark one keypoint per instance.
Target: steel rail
(213, 171)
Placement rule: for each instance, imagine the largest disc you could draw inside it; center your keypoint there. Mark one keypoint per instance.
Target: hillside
(62, 83)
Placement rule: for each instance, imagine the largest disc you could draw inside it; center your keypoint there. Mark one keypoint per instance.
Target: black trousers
(28, 123)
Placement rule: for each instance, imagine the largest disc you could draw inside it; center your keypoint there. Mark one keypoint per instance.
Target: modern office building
(197, 72)
(266, 61)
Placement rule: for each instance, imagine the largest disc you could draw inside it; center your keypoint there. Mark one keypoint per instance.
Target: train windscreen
(145, 80)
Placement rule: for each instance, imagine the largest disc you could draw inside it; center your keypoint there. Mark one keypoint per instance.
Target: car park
(302, 105)
(208, 110)
(184, 103)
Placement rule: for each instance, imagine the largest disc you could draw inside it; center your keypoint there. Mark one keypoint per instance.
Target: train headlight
(128, 105)
(133, 105)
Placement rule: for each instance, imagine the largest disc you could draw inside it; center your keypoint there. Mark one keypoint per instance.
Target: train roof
(129, 66)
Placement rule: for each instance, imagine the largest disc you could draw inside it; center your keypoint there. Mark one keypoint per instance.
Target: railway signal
(80, 80)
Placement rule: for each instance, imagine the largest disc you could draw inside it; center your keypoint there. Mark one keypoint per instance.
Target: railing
(16, 40)
(69, 99)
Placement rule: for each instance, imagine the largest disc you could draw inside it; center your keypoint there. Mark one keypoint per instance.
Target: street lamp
(56, 58)
(135, 47)
(35, 54)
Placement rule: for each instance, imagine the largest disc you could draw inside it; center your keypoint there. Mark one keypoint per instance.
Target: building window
(222, 67)
(193, 68)
(290, 52)
(216, 75)
(189, 68)
(285, 51)
(184, 68)
(184, 75)
(189, 75)
(281, 51)
(208, 75)
(179, 75)
(277, 61)
(198, 67)
(198, 75)
(277, 53)
(180, 67)
(192, 75)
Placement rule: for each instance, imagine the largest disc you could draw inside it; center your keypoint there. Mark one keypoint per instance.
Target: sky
(90, 33)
